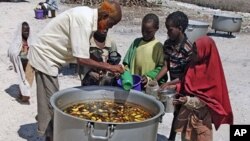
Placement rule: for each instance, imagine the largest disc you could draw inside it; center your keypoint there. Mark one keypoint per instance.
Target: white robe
(13, 54)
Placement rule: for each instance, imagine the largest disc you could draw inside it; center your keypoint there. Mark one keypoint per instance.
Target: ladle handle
(109, 132)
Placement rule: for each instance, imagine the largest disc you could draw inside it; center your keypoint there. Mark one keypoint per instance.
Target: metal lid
(197, 23)
(228, 15)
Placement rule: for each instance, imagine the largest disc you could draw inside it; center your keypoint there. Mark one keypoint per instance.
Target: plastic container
(53, 13)
(152, 88)
(136, 83)
(166, 97)
(39, 14)
(127, 80)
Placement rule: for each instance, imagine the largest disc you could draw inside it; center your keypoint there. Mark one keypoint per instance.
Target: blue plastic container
(39, 14)
(136, 82)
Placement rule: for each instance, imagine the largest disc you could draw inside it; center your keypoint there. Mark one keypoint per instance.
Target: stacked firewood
(129, 3)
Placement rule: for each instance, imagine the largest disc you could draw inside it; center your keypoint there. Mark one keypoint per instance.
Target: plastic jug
(127, 80)
(152, 88)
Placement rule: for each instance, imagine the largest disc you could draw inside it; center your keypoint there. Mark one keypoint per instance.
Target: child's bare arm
(162, 73)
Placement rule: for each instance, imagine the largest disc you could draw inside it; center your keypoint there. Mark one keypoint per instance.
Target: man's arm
(100, 65)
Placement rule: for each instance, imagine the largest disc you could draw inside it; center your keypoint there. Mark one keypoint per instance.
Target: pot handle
(109, 132)
(235, 20)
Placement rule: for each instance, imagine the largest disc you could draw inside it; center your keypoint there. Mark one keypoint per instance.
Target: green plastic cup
(127, 80)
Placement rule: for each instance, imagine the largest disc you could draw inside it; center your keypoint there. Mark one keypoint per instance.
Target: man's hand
(116, 69)
(101, 65)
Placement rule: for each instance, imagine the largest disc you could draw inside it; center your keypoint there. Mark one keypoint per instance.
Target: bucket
(53, 13)
(39, 14)
(136, 82)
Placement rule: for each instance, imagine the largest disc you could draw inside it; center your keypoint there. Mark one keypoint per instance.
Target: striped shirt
(177, 56)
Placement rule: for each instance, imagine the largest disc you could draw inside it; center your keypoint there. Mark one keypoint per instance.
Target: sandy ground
(17, 122)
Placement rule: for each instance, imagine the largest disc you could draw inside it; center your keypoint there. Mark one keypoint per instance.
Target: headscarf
(205, 79)
(13, 54)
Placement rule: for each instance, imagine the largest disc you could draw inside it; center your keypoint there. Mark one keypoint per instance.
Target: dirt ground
(17, 122)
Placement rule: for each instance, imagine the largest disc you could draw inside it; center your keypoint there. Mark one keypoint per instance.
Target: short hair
(25, 23)
(179, 19)
(152, 17)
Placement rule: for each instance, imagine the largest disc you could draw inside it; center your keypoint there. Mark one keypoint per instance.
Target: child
(49, 5)
(146, 47)
(18, 56)
(177, 51)
(205, 99)
(101, 46)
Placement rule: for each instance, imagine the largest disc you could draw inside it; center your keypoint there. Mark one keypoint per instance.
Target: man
(63, 40)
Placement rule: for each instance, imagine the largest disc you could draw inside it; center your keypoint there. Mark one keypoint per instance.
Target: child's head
(150, 24)
(25, 30)
(100, 36)
(176, 24)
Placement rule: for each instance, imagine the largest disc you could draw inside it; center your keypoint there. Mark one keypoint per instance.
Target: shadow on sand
(224, 35)
(161, 137)
(13, 90)
(28, 132)
(70, 69)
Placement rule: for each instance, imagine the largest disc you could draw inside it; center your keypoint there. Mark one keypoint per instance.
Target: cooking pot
(70, 128)
(226, 23)
(196, 29)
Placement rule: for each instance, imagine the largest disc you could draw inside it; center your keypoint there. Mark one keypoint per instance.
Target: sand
(17, 122)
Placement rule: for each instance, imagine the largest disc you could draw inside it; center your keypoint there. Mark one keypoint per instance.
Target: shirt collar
(95, 20)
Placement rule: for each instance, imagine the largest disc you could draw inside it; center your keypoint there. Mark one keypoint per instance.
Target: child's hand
(168, 86)
(180, 100)
(144, 80)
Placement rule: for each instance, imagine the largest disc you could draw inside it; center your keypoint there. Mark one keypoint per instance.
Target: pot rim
(58, 94)
(196, 23)
(233, 16)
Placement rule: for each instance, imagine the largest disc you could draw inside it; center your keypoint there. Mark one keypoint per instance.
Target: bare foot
(23, 99)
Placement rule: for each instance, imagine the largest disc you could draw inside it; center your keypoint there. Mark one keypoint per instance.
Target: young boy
(18, 56)
(177, 50)
(146, 47)
(101, 46)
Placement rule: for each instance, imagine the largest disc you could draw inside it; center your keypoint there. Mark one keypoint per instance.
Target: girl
(205, 99)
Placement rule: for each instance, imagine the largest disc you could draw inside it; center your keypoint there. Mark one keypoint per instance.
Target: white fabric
(63, 40)
(13, 54)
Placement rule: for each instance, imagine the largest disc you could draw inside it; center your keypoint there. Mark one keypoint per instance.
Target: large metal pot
(226, 23)
(69, 128)
(196, 29)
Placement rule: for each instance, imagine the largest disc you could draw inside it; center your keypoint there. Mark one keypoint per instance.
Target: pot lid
(228, 15)
(197, 23)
